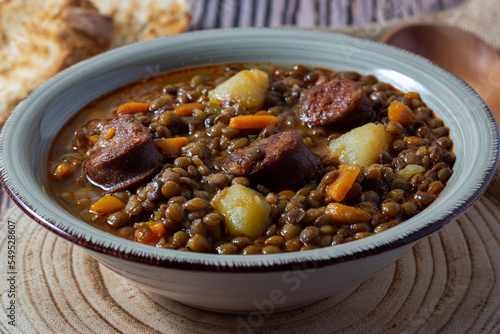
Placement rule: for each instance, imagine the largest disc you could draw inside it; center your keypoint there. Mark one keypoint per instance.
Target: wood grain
(449, 283)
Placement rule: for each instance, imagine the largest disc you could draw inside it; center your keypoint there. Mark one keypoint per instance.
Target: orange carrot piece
(401, 113)
(171, 147)
(341, 214)
(106, 205)
(248, 122)
(93, 139)
(186, 109)
(132, 108)
(339, 188)
(158, 229)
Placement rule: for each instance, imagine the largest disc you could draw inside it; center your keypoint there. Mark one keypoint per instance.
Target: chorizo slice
(281, 161)
(340, 104)
(123, 155)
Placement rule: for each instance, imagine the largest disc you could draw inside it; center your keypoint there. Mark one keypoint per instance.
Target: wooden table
(448, 283)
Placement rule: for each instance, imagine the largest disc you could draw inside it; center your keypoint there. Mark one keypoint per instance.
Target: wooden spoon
(459, 51)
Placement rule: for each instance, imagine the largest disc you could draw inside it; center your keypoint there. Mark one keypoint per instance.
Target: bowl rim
(244, 263)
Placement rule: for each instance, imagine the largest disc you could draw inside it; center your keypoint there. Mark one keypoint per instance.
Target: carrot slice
(171, 147)
(401, 113)
(186, 109)
(158, 229)
(132, 108)
(248, 122)
(106, 205)
(339, 188)
(341, 214)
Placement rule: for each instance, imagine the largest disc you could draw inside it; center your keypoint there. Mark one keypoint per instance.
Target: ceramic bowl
(234, 283)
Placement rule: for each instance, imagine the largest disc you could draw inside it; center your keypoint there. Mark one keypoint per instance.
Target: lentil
(198, 243)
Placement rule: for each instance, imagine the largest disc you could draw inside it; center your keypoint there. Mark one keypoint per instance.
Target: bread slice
(40, 38)
(137, 20)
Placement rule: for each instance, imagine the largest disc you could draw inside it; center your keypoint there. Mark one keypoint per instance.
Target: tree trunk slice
(448, 283)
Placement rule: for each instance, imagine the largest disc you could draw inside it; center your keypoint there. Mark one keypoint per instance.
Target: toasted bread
(137, 20)
(40, 38)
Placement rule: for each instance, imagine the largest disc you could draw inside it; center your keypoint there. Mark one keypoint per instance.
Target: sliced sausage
(281, 161)
(338, 104)
(123, 156)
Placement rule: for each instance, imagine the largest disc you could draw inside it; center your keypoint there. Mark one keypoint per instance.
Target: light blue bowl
(244, 283)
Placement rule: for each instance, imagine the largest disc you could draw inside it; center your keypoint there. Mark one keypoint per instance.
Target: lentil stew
(241, 159)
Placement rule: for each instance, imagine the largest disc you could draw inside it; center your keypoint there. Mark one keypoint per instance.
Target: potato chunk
(410, 170)
(246, 211)
(360, 146)
(246, 87)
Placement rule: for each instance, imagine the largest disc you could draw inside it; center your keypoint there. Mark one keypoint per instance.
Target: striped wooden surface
(448, 283)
